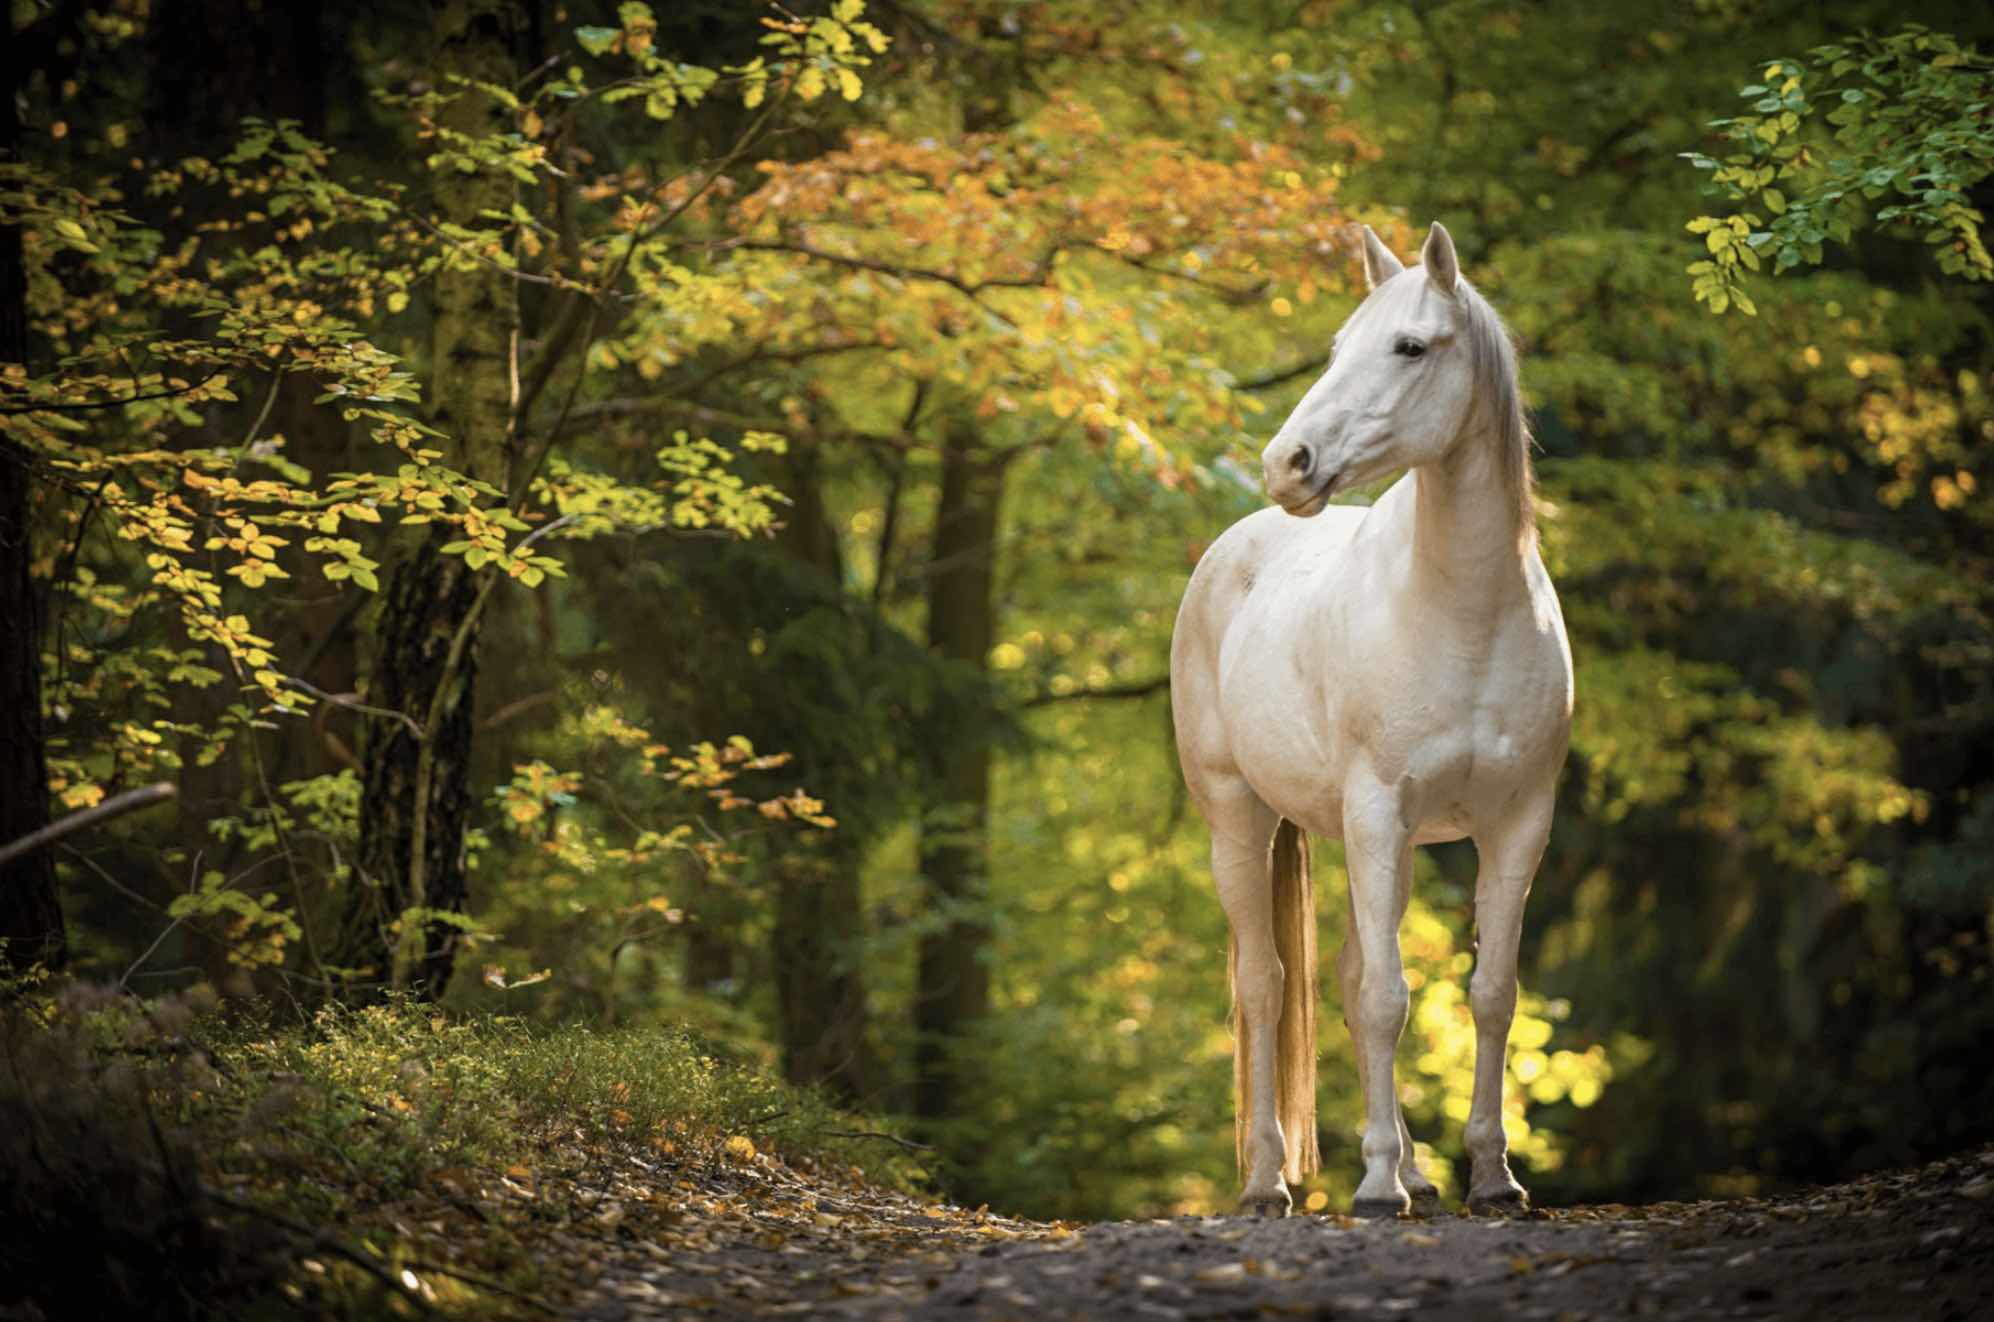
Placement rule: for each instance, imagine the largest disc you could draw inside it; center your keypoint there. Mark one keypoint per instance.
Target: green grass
(393, 1159)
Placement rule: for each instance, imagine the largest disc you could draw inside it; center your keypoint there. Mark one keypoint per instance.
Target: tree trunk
(428, 598)
(952, 991)
(821, 995)
(417, 798)
(711, 956)
(211, 64)
(819, 911)
(30, 917)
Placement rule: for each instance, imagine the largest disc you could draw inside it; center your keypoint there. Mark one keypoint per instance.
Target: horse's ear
(1443, 268)
(1379, 264)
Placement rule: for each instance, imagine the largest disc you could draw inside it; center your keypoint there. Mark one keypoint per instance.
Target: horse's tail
(1294, 1075)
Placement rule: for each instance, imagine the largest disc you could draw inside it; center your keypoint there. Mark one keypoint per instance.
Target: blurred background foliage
(885, 795)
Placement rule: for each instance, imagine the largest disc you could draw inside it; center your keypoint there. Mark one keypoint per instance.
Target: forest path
(1912, 1244)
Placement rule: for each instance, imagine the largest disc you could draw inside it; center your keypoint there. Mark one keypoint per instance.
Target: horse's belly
(1309, 802)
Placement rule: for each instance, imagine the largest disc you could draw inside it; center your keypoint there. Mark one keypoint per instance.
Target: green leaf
(596, 41)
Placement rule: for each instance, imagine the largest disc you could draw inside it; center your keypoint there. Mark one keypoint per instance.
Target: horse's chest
(1460, 733)
(1452, 769)
(1456, 730)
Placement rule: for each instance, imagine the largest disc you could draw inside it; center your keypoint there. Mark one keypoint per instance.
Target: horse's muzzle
(1313, 499)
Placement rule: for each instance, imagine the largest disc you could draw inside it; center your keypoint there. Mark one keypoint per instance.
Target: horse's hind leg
(1349, 971)
(1509, 858)
(1242, 829)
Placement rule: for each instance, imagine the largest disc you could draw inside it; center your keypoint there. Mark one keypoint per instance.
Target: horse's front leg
(1509, 854)
(1377, 852)
(1350, 972)
(1240, 867)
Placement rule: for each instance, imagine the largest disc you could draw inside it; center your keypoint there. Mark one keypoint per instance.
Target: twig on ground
(324, 1243)
(907, 1143)
(483, 1283)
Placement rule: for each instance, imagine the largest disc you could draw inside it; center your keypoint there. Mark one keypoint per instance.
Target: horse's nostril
(1301, 460)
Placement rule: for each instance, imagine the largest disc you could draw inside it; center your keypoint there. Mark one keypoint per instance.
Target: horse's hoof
(1379, 1209)
(1267, 1205)
(1512, 1201)
(1425, 1201)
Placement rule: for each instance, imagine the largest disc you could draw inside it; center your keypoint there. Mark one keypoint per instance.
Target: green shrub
(252, 1167)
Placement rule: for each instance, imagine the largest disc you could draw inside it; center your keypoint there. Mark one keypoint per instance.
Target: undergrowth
(391, 1160)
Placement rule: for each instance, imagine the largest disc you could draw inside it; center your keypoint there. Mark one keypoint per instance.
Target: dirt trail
(1913, 1244)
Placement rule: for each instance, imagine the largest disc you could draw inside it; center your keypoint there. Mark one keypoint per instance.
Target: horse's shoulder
(1266, 548)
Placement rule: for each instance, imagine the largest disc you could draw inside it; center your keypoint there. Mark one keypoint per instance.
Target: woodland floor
(762, 1240)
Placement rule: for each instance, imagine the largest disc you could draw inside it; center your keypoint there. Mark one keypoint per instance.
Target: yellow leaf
(83, 796)
(848, 83)
(741, 1148)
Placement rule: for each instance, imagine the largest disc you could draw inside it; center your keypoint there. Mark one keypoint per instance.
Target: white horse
(1393, 676)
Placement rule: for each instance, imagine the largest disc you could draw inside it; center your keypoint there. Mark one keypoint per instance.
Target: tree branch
(552, 350)
(712, 417)
(1280, 376)
(1227, 293)
(134, 398)
(1139, 689)
(971, 288)
(759, 355)
(352, 703)
(115, 806)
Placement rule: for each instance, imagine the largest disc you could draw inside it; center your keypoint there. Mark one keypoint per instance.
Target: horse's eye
(1409, 348)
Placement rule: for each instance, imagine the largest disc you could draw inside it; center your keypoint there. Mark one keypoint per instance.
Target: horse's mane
(1492, 355)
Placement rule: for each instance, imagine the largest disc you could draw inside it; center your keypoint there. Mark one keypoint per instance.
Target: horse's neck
(1467, 553)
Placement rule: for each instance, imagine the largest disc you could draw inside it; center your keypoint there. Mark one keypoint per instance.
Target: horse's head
(1399, 386)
